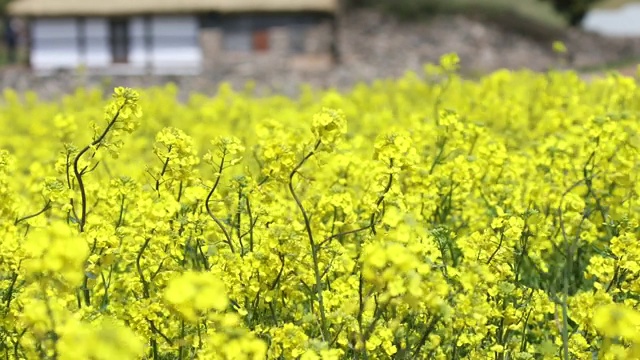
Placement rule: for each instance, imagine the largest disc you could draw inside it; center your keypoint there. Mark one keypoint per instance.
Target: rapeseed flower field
(428, 217)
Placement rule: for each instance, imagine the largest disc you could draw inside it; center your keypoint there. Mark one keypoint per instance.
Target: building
(175, 37)
(616, 22)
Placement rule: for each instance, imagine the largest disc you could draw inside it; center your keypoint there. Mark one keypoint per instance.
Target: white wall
(176, 42)
(54, 43)
(137, 51)
(98, 52)
(174, 39)
(623, 21)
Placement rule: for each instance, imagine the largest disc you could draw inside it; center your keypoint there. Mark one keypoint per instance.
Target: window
(119, 36)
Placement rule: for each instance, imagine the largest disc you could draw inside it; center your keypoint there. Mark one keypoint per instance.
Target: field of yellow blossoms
(427, 217)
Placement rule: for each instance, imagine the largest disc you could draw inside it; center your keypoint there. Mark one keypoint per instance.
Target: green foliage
(525, 16)
(3, 6)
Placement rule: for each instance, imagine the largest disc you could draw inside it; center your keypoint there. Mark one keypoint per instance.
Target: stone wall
(315, 54)
(210, 42)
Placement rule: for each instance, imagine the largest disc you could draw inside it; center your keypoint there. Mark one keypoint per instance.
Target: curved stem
(46, 207)
(9, 294)
(206, 205)
(145, 283)
(314, 247)
(164, 169)
(78, 174)
(372, 223)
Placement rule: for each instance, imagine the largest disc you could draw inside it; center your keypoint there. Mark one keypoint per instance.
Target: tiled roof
(130, 7)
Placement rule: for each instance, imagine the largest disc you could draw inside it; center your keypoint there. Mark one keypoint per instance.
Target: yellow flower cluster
(194, 293)
(451, 219)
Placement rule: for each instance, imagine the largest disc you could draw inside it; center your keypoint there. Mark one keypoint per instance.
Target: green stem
(312, 243)
(83, 196)
(206, 204)
(46, 207)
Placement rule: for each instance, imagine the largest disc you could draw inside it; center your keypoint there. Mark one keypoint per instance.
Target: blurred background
(53, 47)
